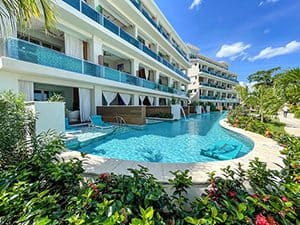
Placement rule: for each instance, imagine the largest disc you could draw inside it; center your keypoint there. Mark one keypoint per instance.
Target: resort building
(211, 81)
(102, 53)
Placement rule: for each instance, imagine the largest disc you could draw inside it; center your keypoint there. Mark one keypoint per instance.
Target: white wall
(51, 116)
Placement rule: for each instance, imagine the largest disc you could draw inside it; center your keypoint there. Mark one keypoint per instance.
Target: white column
(171, 81)
(136, 100)
(156, 103)
(136, 33)
(96, 50)
(96, 99)
(135, 66)
(156, 77)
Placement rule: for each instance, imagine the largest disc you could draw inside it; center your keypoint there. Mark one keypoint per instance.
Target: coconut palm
(22, 12)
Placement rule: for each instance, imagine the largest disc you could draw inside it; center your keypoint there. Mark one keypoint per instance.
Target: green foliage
(288, 85)
(25, 12)
(56, 98)
(16, 127)
(264, 77)
(242, 93)
(44, 189)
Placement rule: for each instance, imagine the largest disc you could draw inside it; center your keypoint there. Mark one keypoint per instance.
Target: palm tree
(242, 93)
(288, 85)
(23, 11)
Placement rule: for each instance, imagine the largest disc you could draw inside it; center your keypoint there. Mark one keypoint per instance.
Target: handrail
(120, 120)
(87, 10)
(30, 52)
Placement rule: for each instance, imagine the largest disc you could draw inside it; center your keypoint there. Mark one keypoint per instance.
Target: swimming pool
(197, 139)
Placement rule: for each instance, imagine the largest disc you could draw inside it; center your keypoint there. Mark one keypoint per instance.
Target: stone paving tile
(267, 150)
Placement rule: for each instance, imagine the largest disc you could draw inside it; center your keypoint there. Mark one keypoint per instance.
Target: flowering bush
(42, 189)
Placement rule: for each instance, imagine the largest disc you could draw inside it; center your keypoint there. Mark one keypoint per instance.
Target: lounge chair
(69, 129)
(97, 122)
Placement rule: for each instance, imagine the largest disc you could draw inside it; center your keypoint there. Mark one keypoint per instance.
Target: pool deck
(266, 149)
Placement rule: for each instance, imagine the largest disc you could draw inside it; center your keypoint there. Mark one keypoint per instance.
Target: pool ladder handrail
(120, 120)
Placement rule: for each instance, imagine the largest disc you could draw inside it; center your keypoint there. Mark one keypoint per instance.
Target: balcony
(100, 19)
(159, 29)
(218, 75)
(215, 86)
(218, 98)
(29, 52)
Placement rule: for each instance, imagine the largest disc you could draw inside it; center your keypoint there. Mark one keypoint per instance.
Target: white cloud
(267, 2)
(195, 4)
(233, 51)
(271, 52)
(266, 31)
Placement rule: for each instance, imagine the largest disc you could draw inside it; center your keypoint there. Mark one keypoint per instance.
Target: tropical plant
(243, 93)
(16, 130)
(265, 101)
(56, 98)
(44, 189)
(288, 85)
(264, 77)
(12, 11)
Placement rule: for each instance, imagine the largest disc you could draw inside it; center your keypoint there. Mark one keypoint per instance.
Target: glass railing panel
(129, 79)
(74, 3)
(149, 52)
(92, 69)
(149, 84)
(29, 52)
(51, 58)
(90, 12)
(137, 5)
(112, 74)
(149, 18)
(111, 26)
(129, 38)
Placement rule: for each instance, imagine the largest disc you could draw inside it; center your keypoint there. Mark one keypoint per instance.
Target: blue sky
(249, 34)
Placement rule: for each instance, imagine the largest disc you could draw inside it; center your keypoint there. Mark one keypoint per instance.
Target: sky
(250, 35)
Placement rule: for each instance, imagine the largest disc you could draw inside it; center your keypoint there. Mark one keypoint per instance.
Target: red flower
(105, 177)
(254, 195)
(261, 220)
(94, 187)
(271, 220)
(232, 194)
(284, 199)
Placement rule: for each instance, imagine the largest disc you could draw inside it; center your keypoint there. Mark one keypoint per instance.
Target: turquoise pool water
(197, 139)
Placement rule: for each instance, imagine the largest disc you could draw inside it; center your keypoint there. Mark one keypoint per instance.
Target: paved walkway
(292, 125)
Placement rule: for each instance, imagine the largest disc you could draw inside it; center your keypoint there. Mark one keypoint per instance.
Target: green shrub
(43, 189)
(297, 113)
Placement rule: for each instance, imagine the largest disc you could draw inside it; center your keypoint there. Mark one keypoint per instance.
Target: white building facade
(211, 81)
(103, 52)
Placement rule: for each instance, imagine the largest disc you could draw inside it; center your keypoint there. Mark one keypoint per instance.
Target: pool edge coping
(262, 147)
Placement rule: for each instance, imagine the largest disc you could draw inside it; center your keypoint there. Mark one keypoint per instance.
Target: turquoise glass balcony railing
(218, 75)
(87, 10)
(100, 19)
(29, 52)
(153, 22)
(212, 85)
